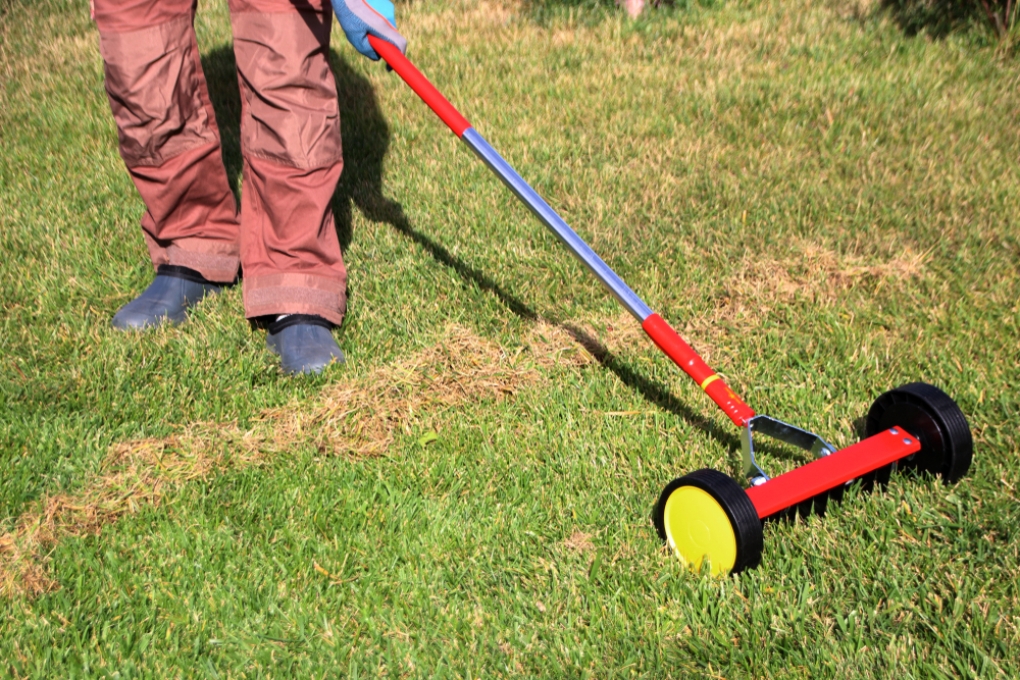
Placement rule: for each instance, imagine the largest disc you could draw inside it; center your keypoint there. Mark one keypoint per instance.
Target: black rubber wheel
(732, 499)
(933, 417)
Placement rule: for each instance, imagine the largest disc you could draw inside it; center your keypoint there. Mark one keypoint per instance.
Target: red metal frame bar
(825, 474)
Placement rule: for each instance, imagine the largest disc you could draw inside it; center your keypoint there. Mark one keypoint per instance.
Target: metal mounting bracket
(784, 432)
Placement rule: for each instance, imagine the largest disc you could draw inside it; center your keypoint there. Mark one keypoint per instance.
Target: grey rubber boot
(304, 343)
(167, 299)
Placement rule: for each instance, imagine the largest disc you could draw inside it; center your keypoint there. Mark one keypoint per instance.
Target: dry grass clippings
(579, 542)
(815, 274)
(357, 419)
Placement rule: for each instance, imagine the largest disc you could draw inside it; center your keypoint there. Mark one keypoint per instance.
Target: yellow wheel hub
(697, 528)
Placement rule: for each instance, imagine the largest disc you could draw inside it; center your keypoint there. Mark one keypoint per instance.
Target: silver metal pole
(555, 223)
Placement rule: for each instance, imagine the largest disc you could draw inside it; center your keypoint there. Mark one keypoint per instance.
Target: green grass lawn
(825, 206)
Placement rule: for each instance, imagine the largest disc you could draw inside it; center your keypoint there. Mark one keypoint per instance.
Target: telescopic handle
(668, 340)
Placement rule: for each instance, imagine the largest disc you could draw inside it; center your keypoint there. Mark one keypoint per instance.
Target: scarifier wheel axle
(705, 516)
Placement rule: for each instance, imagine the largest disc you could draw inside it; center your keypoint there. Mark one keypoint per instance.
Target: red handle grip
(420, 84)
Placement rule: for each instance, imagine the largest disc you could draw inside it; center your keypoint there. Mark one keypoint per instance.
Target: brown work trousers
(285, 240)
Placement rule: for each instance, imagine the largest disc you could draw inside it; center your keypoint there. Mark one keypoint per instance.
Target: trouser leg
(168, 134)
(290, 141)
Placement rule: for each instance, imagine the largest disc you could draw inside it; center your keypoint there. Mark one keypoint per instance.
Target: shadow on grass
(936, 18)
(366, 139)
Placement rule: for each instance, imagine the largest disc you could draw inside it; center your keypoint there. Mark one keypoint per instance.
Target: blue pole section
(555, 223)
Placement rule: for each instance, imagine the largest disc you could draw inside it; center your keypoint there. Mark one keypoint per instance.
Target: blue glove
(361, 18)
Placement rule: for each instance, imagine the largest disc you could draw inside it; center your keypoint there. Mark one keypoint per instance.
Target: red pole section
(421, 85)
(670, 342)
(818, 476)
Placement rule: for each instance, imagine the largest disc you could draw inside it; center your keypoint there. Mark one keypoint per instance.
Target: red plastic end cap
(670, 342)
(732, 405)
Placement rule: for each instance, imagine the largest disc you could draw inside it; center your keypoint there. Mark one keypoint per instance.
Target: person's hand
(361, 18)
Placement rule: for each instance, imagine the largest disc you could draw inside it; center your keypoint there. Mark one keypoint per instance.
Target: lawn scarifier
(706, 514)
